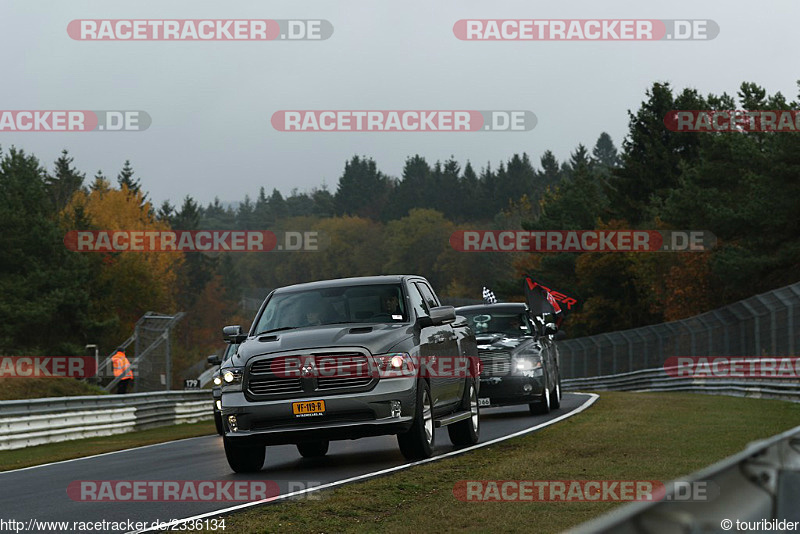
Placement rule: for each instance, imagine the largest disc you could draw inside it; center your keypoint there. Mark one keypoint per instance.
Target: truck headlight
(217, 380)
(528, 365)
(232, 375)
(394, 365)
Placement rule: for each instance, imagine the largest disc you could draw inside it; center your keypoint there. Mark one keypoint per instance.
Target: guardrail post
(756, 327)
(789, 320)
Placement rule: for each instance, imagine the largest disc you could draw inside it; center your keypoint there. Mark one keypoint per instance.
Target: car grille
(347, 370)
(277, 385)
(495, 363)
(333, 372)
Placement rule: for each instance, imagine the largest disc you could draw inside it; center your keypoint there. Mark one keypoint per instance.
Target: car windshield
(491, 322)
(379, 303)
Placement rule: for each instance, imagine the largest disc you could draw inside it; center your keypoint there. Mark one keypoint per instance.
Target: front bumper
(347, 416)
(507, 390)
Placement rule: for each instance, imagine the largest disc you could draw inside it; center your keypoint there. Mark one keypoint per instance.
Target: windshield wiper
(277, 330)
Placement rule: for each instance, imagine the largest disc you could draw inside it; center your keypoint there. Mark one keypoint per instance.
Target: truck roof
(354, 281)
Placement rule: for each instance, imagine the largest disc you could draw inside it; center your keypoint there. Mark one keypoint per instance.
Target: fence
(763, 325)
(151, 360)
(24, 423)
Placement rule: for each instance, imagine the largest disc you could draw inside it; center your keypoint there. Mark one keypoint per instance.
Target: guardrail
(659, 379)
(24, 423)
(761, 483)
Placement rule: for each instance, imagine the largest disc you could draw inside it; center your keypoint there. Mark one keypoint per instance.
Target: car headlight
(528, 365)
(394, 365)
(217, 380)
(232, 375)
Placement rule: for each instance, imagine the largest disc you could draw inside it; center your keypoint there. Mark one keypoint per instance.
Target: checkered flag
(488, 296)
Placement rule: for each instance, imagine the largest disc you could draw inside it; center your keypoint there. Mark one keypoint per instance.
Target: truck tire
(555, 396)
(313, 449)
(417, 442)
(218, 423)
(467, 432)
(543, 406)
(244, 459)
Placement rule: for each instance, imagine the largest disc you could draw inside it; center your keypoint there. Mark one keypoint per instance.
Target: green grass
(624, 436)
(67, 450)
(35, 388)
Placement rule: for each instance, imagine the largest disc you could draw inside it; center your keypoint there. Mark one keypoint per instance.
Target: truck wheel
(555, 397)
(417, 442)
(218, 423)
(543, 406)
(313, 449)
(467, 432)
(244, 459)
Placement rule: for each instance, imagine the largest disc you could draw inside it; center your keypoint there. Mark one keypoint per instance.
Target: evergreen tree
(363, 190)
(125, 177)
(64, 182)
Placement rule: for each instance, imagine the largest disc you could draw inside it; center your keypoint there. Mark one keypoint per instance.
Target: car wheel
(417, 442)
(555, 396)
(542, 407)
(218, 423)
(244, 459)
(467, 432)
(313, 449)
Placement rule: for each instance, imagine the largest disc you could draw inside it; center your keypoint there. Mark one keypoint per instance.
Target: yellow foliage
(130, 282)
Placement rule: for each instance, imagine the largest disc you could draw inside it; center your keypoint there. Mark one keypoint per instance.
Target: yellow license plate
(308, 408)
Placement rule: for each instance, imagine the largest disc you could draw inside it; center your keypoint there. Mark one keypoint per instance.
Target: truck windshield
(508, 323)
(380, 303)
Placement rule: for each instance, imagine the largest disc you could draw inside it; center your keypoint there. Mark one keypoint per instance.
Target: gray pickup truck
(349, 358)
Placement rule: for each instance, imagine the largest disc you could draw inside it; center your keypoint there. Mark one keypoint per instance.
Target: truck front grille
(495, 363)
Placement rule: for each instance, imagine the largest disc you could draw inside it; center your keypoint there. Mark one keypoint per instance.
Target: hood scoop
(361, 330)
(272, 337)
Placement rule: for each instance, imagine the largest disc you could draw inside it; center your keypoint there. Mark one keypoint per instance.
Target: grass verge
(67, 450)
(624, 436)
(36, 388)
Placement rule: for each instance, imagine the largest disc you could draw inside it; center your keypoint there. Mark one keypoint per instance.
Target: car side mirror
(214, 360)
(550, 329)
(233, 334)
(443, 315)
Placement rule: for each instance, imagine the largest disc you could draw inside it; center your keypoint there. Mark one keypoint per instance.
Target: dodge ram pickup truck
(345, 359)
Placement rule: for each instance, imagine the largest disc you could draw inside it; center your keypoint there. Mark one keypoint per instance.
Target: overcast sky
(211, 102)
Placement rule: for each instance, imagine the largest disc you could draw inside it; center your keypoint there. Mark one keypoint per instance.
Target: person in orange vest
(122, 367)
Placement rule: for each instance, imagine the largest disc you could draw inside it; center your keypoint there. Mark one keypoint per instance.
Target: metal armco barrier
(760, 484)
(24, 423)
(762, 325)
(659, 380)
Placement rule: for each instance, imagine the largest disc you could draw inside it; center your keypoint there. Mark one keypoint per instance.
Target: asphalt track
(40, 493)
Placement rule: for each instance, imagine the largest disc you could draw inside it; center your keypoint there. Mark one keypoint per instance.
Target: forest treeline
(743, 187)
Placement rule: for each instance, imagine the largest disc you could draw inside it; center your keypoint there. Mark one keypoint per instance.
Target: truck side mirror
(233, 334)
(443, 315)
(214, 359)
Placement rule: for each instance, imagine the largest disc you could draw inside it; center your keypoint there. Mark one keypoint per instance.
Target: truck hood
(504, 343)
(376, 338)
